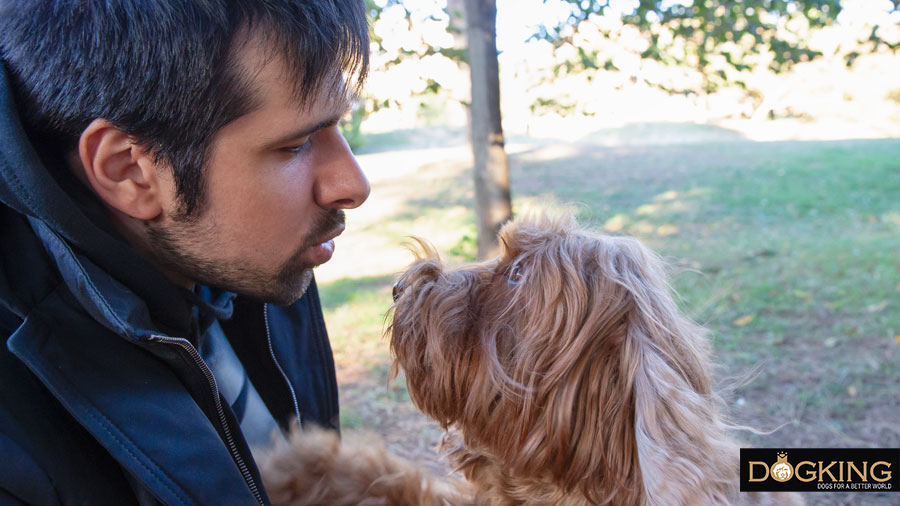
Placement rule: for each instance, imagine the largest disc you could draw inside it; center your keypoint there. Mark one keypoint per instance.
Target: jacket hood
(117, 286)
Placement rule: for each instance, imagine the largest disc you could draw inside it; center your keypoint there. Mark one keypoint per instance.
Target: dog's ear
(681, 442)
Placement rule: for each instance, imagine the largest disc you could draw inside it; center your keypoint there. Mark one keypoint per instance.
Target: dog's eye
(515, 275)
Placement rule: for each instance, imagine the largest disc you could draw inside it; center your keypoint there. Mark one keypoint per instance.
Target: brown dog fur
(564, 375)
(313, 467)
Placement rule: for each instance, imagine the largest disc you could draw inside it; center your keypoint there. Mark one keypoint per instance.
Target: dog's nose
(398, 287)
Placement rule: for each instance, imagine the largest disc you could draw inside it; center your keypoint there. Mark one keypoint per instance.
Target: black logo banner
(820, 469)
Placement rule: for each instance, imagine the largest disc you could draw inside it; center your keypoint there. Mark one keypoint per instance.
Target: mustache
(324, 225)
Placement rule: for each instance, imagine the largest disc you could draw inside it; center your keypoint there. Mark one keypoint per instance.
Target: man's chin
(175, 257)
(286, 291)
(282, 291)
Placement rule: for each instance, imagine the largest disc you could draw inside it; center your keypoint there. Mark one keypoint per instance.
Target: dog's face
(542, 358)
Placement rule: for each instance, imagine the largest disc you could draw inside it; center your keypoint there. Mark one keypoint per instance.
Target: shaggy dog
(564, 375)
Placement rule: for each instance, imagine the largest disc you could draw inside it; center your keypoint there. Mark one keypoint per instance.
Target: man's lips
(322, 248)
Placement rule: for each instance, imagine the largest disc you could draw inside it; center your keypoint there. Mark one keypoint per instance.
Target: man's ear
(120, 171)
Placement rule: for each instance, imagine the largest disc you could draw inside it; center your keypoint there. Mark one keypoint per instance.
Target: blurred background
(754, 144)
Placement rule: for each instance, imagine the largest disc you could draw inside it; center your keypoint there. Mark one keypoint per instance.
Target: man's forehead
(274, 115)
(273, 76)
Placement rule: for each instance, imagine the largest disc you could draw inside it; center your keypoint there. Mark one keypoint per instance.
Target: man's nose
(340, 182)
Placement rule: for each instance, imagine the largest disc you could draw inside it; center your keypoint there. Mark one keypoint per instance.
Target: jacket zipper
(283, 375)
(232, 447)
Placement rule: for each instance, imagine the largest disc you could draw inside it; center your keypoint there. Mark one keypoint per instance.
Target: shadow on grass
(747, 180)
(351, 290)
(792, 248)
(662, 133)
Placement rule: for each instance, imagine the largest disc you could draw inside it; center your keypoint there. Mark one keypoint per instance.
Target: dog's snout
(398, 287)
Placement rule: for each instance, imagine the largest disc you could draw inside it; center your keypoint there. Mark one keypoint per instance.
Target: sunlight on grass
(789, 252)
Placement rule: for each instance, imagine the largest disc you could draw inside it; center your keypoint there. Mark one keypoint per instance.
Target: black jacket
(103, 397)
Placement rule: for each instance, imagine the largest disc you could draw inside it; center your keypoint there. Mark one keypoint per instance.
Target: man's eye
(301, 148)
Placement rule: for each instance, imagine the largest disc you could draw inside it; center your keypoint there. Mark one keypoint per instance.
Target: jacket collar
(158, 432)
(74, 228)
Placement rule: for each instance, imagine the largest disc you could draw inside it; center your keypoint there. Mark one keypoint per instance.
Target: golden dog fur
(313, 467)
(564, 374)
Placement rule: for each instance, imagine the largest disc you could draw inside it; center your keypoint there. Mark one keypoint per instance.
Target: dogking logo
(782, 470)
(820, 469)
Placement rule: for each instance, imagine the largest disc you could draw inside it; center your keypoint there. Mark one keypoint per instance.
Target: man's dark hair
(165, 71)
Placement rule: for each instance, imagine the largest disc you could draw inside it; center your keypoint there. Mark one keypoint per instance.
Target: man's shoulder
(26, 276)
(45, 450)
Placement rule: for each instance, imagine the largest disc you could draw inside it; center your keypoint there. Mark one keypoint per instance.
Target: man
(157, 157)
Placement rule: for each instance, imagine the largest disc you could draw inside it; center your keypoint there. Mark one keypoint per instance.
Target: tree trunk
(492, 196)
(456, 10)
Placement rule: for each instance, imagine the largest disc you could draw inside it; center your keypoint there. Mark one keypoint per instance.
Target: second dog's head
(566, 359)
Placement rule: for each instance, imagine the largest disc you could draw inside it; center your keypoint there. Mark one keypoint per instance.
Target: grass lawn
(789, 252)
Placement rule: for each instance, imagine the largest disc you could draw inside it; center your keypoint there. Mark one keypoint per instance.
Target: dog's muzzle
(398, 288)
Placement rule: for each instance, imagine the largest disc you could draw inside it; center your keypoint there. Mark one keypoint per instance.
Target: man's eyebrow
(307, 131)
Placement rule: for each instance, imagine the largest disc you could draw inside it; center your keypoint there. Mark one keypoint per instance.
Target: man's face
(276, 184)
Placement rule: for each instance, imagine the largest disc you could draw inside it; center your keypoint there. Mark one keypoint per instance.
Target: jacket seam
(84, 276)
(19, 187)
(105, 423)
